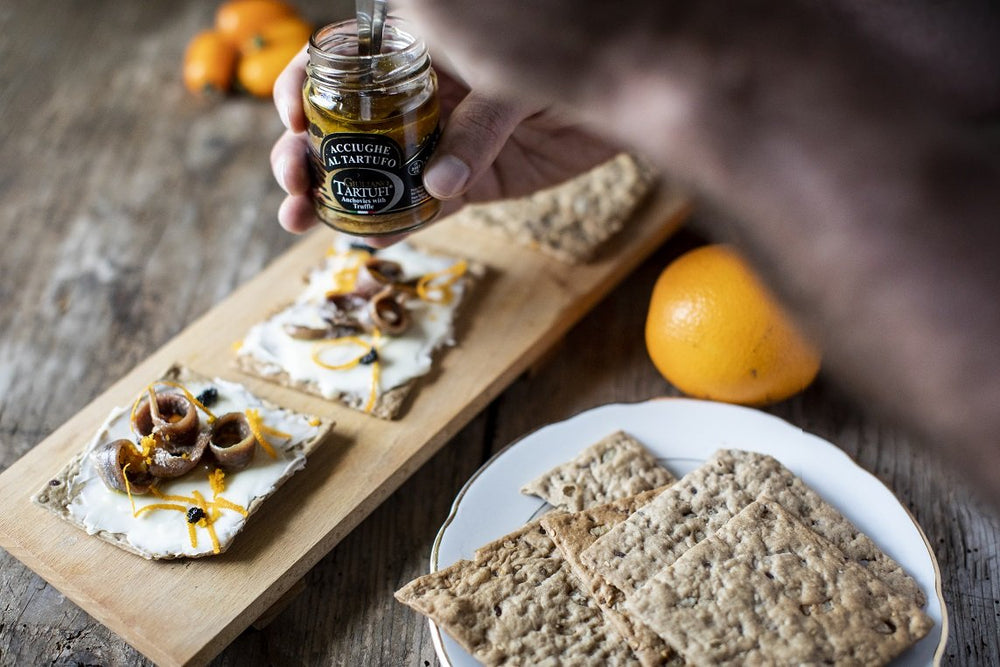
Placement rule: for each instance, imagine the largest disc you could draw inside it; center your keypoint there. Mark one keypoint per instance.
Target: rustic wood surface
(130, 208)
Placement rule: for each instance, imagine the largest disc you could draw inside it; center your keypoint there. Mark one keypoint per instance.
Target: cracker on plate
(764, 588)
(615, 467)
(569, 221)
(705, 499)
(574, 532)
(517, 602)
(329, 343)
(224, 500)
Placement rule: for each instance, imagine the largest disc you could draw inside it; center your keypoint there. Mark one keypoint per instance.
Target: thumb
(473, 136)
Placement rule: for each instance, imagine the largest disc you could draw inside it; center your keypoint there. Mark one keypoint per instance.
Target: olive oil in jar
(373, 124)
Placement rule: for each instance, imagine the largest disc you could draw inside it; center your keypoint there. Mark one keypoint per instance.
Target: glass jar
(373, 124)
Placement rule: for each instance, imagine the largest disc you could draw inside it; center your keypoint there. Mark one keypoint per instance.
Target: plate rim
(436, 638)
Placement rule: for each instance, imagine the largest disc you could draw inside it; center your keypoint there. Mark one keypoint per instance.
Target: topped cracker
(708, 497)
(517, 603)
(158, 525)
(332, 341)
(569, 221)
(615, 467)
(764, 588)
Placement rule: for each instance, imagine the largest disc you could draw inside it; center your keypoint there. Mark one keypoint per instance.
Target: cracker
(704, 500)
(517, 602)
(269, 353)
(764, 588)
(59, 494)
(569, 221)
(615, 467)
(572, 533)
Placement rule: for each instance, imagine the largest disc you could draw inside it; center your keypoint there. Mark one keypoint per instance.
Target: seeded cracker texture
(517, 603)
(765, 589)
(569, 221)
(57, 495)
(574, 532)
(615, 467)
(704, 500)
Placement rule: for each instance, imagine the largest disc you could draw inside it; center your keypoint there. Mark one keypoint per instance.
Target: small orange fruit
(209, 63)
(239, 20)
(285, 29)
(714, 331)
(258, 71)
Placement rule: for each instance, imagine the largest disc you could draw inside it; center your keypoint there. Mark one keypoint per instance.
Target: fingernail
(279, 173)
(446, 177)
(283, 114)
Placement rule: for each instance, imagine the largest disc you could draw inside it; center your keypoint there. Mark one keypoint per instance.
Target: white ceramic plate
(683, 433)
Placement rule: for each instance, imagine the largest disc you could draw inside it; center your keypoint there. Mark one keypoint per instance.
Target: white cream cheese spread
(166, 533)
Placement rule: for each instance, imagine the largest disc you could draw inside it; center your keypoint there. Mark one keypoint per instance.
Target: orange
(258, 71)
(209, 63)
(714, 331)
(286, 29)
(239, 20)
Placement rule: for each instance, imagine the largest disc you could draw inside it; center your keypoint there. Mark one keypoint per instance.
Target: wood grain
(129, 209)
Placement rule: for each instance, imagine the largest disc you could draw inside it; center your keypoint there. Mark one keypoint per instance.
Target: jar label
(368, 174)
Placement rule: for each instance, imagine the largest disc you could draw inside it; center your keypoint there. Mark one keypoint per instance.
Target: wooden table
(129, 208)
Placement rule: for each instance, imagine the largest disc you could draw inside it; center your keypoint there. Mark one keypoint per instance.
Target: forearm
(871, 211)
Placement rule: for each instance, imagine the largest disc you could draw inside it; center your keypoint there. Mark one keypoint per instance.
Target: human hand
(492, 146)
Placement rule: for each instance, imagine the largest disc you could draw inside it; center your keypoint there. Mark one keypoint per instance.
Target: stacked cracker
(739, 562)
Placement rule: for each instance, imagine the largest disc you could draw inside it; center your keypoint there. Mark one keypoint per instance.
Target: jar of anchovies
(373, 124)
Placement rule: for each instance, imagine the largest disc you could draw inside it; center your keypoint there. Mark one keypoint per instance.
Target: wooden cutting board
(184, 612)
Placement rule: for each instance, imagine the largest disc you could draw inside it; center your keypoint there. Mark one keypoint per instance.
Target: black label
(368, 174)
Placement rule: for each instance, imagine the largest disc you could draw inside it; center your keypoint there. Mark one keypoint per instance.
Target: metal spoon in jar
(371, 20)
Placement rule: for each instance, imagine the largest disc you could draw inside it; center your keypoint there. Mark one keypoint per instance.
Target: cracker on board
(765, 588)
(615, 467)
(268, 351)
(571, 220)
(574, 532)
(66, 486)
(517, 602)
(703, 501)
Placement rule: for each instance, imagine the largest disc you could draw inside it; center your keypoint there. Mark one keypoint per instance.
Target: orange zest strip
(217, 481)
(128, 487)
(374, 390)
(322, 345)
(193, 535)
(253, 418)
(225, 504)
(176, 499)
(435, 287)
(207, 521)
(161, 506)
(346, 278)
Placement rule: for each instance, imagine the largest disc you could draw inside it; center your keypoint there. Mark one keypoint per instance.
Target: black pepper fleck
(195, 514)
(208, 397)
(496, 610)
(369, 358)
(619, 554)
(54, 482)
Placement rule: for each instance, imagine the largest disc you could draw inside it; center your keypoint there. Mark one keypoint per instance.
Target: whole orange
(258, 71)
(209, 63)
(714, 331)
(239, 20)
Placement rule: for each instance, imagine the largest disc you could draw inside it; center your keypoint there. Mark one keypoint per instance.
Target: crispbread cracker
(387, 405)
(704, 500)
(574, 532)
(518, 603)
(571, 220)
(268, 353)
(59, 493)
(615, 467)
(764, 588)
